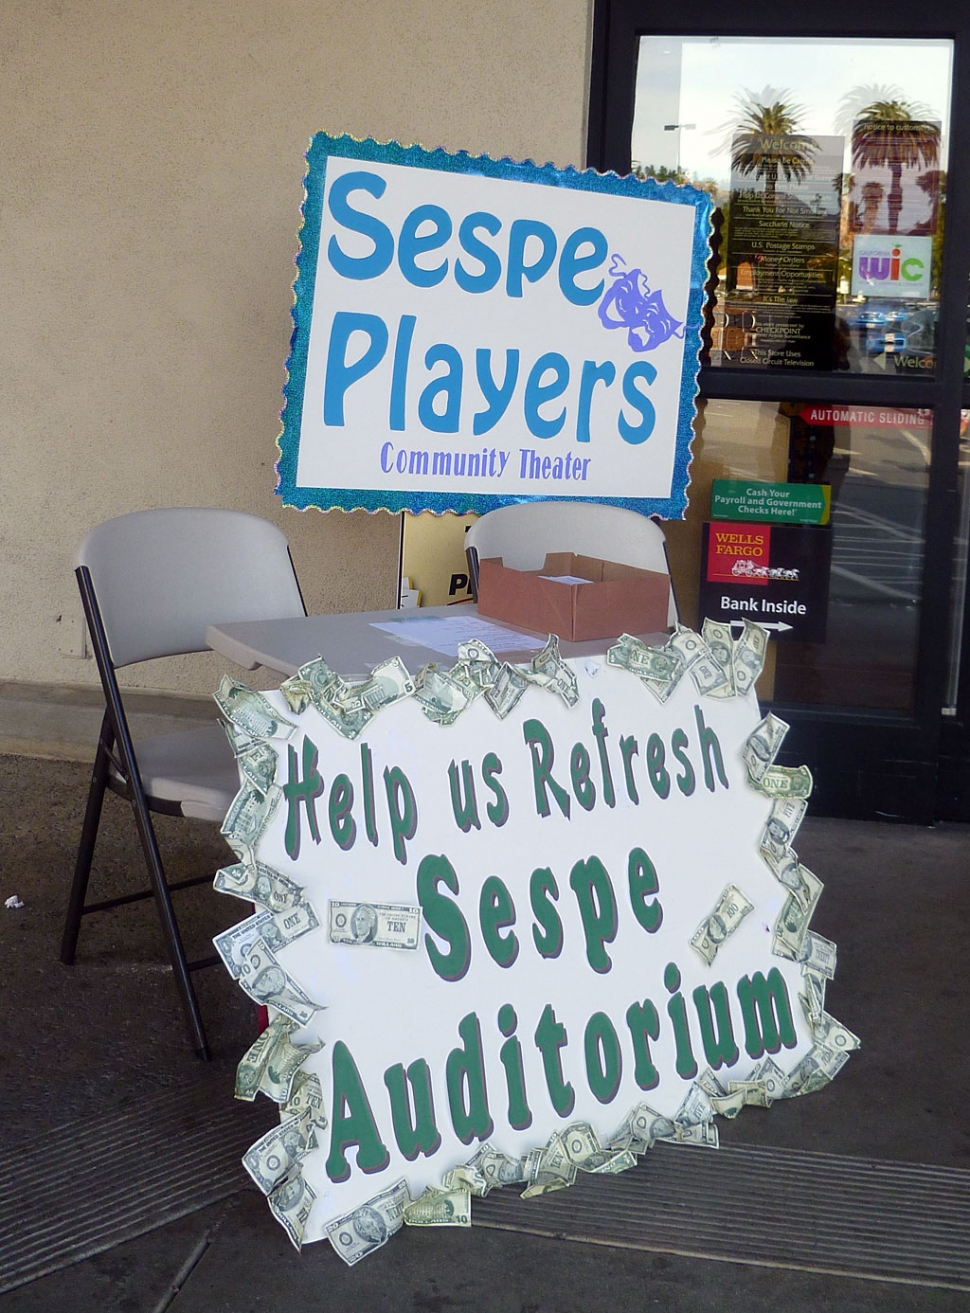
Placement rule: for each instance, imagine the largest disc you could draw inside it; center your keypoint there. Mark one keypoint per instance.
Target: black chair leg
(89, 835)
(166, 913)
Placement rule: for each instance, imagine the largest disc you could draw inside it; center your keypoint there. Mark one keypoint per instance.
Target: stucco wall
(149, 205)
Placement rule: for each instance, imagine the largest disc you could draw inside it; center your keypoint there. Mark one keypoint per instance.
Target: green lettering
(550, 1037)
(412, 1116)
(352, 1121)
(644, 1025)
(543, 888)
(597, 906)
(642, 875)
(444, 918)
(465, 1078)
(496, 912)
(540, 746)
(659, 776)
(766, 1011)
(583, 786)
(603, 1064)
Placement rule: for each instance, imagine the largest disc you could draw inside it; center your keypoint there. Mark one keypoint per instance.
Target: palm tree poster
(783, 237)
(895, 169)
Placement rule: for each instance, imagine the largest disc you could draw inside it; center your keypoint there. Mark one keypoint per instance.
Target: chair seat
(196, 769)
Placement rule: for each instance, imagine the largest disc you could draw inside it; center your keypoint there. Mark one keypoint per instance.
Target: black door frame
(867, 763)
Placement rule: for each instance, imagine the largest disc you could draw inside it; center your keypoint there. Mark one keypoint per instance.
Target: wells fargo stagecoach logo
(743, 552)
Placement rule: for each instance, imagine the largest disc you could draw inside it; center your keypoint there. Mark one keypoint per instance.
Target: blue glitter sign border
(322, 147)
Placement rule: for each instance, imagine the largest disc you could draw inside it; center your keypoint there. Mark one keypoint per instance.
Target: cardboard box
(617, 599)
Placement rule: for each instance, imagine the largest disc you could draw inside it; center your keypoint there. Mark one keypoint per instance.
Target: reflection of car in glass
(892, 327)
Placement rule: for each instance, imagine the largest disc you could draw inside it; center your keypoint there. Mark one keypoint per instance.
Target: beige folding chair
(151, 582)
(522, 535)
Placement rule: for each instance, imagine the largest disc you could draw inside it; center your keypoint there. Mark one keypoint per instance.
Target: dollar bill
(380, 925)
(819, 1066)
(711, 1084)
(442, 699)
(729, 1104)
(833, 1035)
(283, 928)
(732, 907)
(719, 640)
(771, 1078)
(549, 670)
(698, 660)
(290, 1204)
(642, 1127)
(305, 1099)
(615, 1163)
(265, 981)
(549, 1169)
(466, 1178)
(786, 782)
(296, 692)
(748, 657)
(583, 1148)
(819, 955)
(752, 1093)
(477, 668)
(258, 765)
(786, 868)
(496, 1168)
(762, 746)
(812, 996)
(694, 1109)
(282, 1070)
(233, 945)
(249, 1073)
(255, 882)
(371, 1225)
(248, 816)
(276, 1153)
(503, 695)
(348, 707)
(238, 741)
(781, 826)
(702, 1134)
(251, 712)
(640, 659)
(440, 1208)
(797, 911)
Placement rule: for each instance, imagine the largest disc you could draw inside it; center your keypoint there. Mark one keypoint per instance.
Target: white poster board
(516, 924)
(471, 332)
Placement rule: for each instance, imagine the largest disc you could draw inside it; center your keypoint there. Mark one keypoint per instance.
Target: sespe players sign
(471, 332)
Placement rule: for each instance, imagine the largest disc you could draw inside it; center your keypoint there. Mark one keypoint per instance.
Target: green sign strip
(781, 503)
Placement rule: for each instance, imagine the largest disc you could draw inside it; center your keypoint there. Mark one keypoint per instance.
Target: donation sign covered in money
(469, 332)
(515, 923)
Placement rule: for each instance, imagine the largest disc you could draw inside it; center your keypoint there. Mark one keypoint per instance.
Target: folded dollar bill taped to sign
(515, 923)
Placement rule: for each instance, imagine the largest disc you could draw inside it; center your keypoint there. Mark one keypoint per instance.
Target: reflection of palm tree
(887, 134)
(872, 194)
(767, 142)
(930, 182)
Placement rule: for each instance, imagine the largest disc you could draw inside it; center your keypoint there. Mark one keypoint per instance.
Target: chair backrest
(522, 535)
(161, 577)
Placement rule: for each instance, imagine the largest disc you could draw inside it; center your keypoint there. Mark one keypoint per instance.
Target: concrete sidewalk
(83, 1042)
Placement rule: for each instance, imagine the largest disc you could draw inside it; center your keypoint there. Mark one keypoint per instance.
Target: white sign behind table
(471, 332)
(608, 915)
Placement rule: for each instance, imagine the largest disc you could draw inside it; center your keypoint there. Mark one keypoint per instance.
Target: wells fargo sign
(515, 923)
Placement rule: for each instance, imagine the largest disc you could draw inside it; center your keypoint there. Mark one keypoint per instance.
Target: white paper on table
(444, 633)
(565, 579)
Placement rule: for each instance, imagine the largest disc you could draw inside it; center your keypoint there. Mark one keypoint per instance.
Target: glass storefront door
(832, 370)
